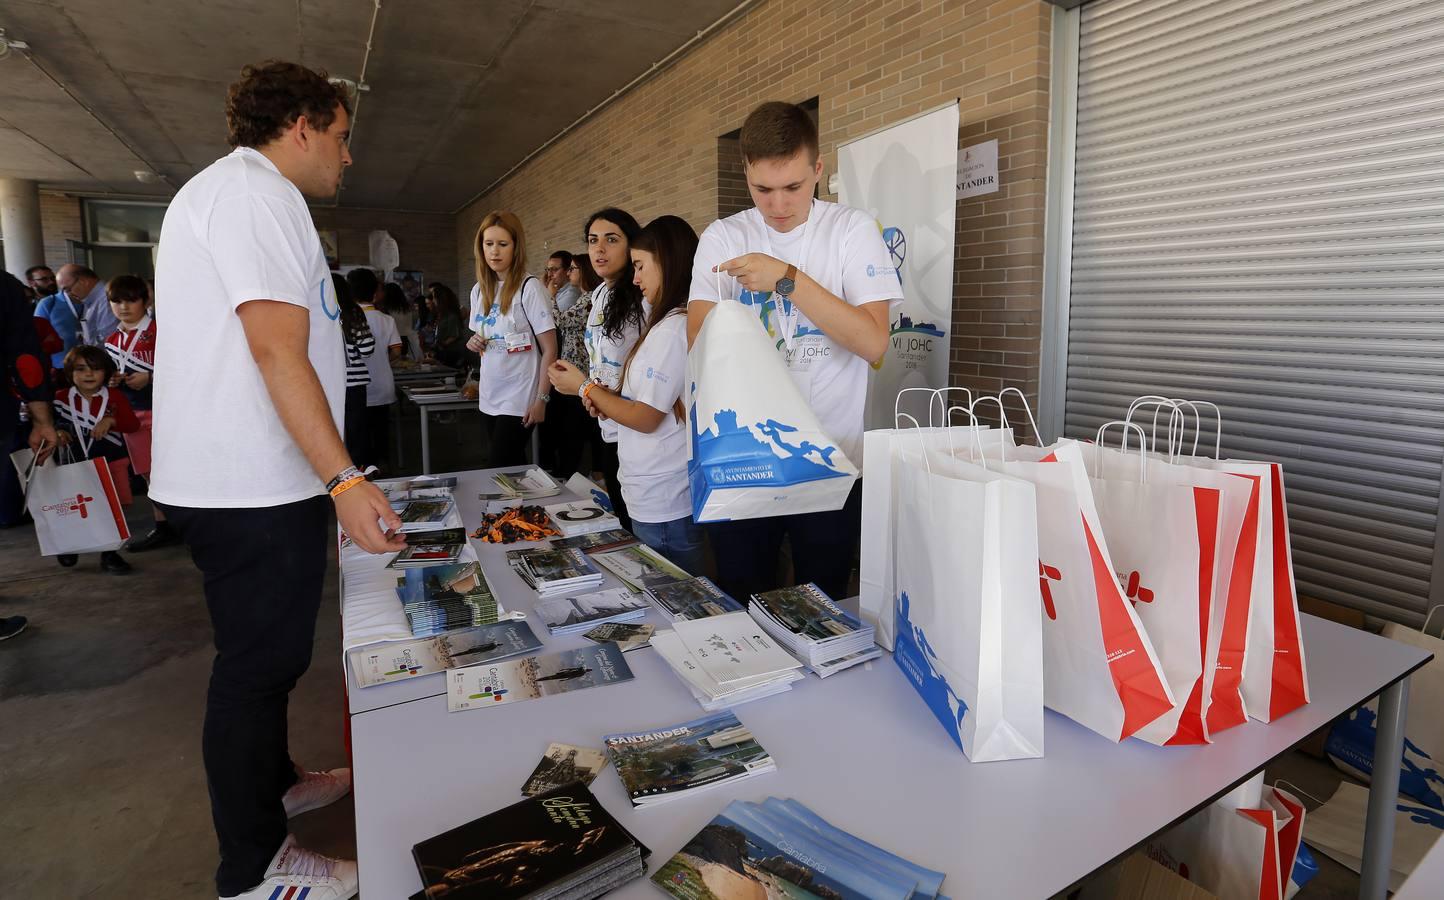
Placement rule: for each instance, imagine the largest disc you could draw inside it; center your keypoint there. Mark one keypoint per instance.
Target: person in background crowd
(572, 426)
(556, 456)
(23, 373)
(132, 349)
(381, 392)
(613, 327)
(87, 291)
(360, 345)
(581, 274)
(821, 278)
(395, 305)
(559, 282)
(93, 418)
(447, 343)
(511, 316)
(64, 316)
(42, 281)
(250, 391)
(649, 407)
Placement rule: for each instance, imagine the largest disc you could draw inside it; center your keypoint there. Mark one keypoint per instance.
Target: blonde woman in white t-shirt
(648, 407)
(511, 316)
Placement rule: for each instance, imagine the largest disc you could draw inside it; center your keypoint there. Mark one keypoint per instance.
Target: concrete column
(20, 225)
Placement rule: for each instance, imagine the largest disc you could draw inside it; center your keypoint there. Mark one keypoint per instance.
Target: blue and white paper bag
(757, 448)
(969, 620)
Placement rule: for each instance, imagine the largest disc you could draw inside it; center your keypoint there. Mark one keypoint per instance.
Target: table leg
(425, 440)
(1384, 792)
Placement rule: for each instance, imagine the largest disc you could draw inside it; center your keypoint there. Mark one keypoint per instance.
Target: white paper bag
(969, 630)
(1336, 829)
(1164, 539)
(757, 448)
(76, 507)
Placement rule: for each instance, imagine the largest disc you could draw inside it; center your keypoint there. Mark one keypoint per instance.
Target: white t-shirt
(607, 354)
(509, 381)
(652, 468)
(238, 231)
(840, 248)
(382, 389)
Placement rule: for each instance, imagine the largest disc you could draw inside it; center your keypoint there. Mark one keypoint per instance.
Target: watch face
(785, 286)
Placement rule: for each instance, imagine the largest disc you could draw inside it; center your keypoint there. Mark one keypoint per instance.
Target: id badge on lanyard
(784, 309)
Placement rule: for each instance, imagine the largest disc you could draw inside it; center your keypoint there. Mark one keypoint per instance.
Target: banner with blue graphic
(905, 177)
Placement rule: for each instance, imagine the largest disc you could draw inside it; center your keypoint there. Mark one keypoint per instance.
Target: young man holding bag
(249, 395)
(821, 279)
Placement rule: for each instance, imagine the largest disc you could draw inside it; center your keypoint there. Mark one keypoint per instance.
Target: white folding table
(862, 750)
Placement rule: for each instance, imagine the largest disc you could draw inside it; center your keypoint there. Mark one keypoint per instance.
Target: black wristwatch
(786, 285)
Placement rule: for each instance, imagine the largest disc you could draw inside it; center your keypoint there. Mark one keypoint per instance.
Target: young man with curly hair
(248, 410)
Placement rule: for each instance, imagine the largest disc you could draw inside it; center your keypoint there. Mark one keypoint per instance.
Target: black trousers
(607, 462)
(263, 573)
(506, 441)
(572, 431)
(824, 547)
(358, 443)
(378, 434)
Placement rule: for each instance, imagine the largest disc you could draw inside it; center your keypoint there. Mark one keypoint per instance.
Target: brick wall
(427, 241)
(870, 63)
(59, 223)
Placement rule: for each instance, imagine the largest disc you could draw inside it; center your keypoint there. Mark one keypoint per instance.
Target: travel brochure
(640, 567)
(570, 615)
(383, 663)
(444, 598)
(733, 648)
(563, 764)
(711, 694)
(551, 572)
(431, 548)
(561, 843)
(595, 542)
(512, 681)
(813, 627)
(782, 849)
(662, 764)
(626, 635)
(695, 598)
(581, 517)
(526, 484)
(422, 515)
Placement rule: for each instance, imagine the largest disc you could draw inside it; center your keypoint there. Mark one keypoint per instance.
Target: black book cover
(522, 849)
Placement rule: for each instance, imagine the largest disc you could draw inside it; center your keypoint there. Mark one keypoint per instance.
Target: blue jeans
(680, 540)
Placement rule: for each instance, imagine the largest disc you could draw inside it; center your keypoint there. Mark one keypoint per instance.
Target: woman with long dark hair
(395, 305)
(613, 326)
(360, 344)
(511, 316)
(647, 406)
(444, 334)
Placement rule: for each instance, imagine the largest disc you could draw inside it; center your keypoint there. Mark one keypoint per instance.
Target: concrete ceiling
(460, 90)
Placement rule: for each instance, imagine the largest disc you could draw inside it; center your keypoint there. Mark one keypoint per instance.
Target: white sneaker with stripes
(299, 874)
(315, 790)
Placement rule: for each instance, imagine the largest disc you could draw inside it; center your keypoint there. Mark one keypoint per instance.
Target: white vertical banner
(905, 177)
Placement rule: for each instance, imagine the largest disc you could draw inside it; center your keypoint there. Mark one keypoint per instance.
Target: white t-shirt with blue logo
(606, 353)
(652, 468)
(840, 248)
(509, 381)
(236, 232)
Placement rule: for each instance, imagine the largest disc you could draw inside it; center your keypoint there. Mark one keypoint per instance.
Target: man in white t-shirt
(249, 398)
(821, 280)
(381, 391)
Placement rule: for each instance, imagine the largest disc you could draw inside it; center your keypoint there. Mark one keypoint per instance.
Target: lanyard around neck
(786, 311)
(84, 422)
(127, 353)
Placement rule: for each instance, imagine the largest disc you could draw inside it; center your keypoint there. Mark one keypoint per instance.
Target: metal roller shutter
(1259, 221)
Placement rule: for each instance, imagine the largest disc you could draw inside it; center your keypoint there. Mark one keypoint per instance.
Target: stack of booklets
(640, 567)
(780, 848)
(727, 660)
(512, 681)
(552, 572)
(445, 598)
(524, 484)
(400, 660)
(434, 393)
(598, 542)
(559, 844)
(425, 514)
(666, 763)
(814, 628)
(431, 548)
(581, 517)
(573, 615)
(695, 598)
